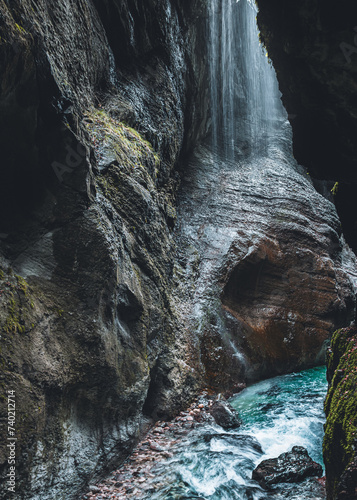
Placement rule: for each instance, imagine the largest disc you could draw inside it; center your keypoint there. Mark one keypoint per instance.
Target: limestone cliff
(266, 272)
(313, 48)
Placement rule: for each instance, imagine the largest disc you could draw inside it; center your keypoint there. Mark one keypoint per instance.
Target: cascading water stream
(246, 106)
(245, 205)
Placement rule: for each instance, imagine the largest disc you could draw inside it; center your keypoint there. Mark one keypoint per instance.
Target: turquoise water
(285, 411)
(278, 413)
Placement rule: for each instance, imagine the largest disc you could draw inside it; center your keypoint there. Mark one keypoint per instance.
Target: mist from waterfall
(245, 99)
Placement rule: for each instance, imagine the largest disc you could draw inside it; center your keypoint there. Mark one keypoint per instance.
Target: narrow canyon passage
(172, 241)
(271, 275)
(277, 414)
(263, 270)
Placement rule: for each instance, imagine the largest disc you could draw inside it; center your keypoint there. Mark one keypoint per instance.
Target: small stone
(156, 447)
(94, 489)
(224, 415)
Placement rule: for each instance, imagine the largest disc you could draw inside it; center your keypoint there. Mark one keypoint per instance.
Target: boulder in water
(291, 467)
(224, 415)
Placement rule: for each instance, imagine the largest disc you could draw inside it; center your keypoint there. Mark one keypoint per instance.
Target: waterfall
(245, 98)
(243, 202)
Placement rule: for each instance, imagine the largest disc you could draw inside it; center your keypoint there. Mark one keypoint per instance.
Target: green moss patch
(341, 405)
(15, 304)
(131, 150)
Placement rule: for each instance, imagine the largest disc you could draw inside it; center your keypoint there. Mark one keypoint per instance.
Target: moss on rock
(15, 304)
(131, 150)
(341, 408)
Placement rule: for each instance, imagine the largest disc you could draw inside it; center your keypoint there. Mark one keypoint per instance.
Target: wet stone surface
(224, 415)
(291, 467)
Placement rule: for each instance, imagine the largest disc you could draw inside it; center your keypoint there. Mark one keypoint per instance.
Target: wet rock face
(40, 82)
(224, 415)
(270, 274)
(283, 302)
(339, 445)
(88, 183)
(290, 467)
(313, 49)
(347, 486)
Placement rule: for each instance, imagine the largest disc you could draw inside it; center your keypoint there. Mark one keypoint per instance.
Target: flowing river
(277, 414)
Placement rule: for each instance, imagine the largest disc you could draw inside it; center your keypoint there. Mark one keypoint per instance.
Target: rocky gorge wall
(313, 48)
(92, 128)
(133, 271)
(270, 272)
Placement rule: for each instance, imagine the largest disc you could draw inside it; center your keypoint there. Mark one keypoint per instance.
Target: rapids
(277, 414)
